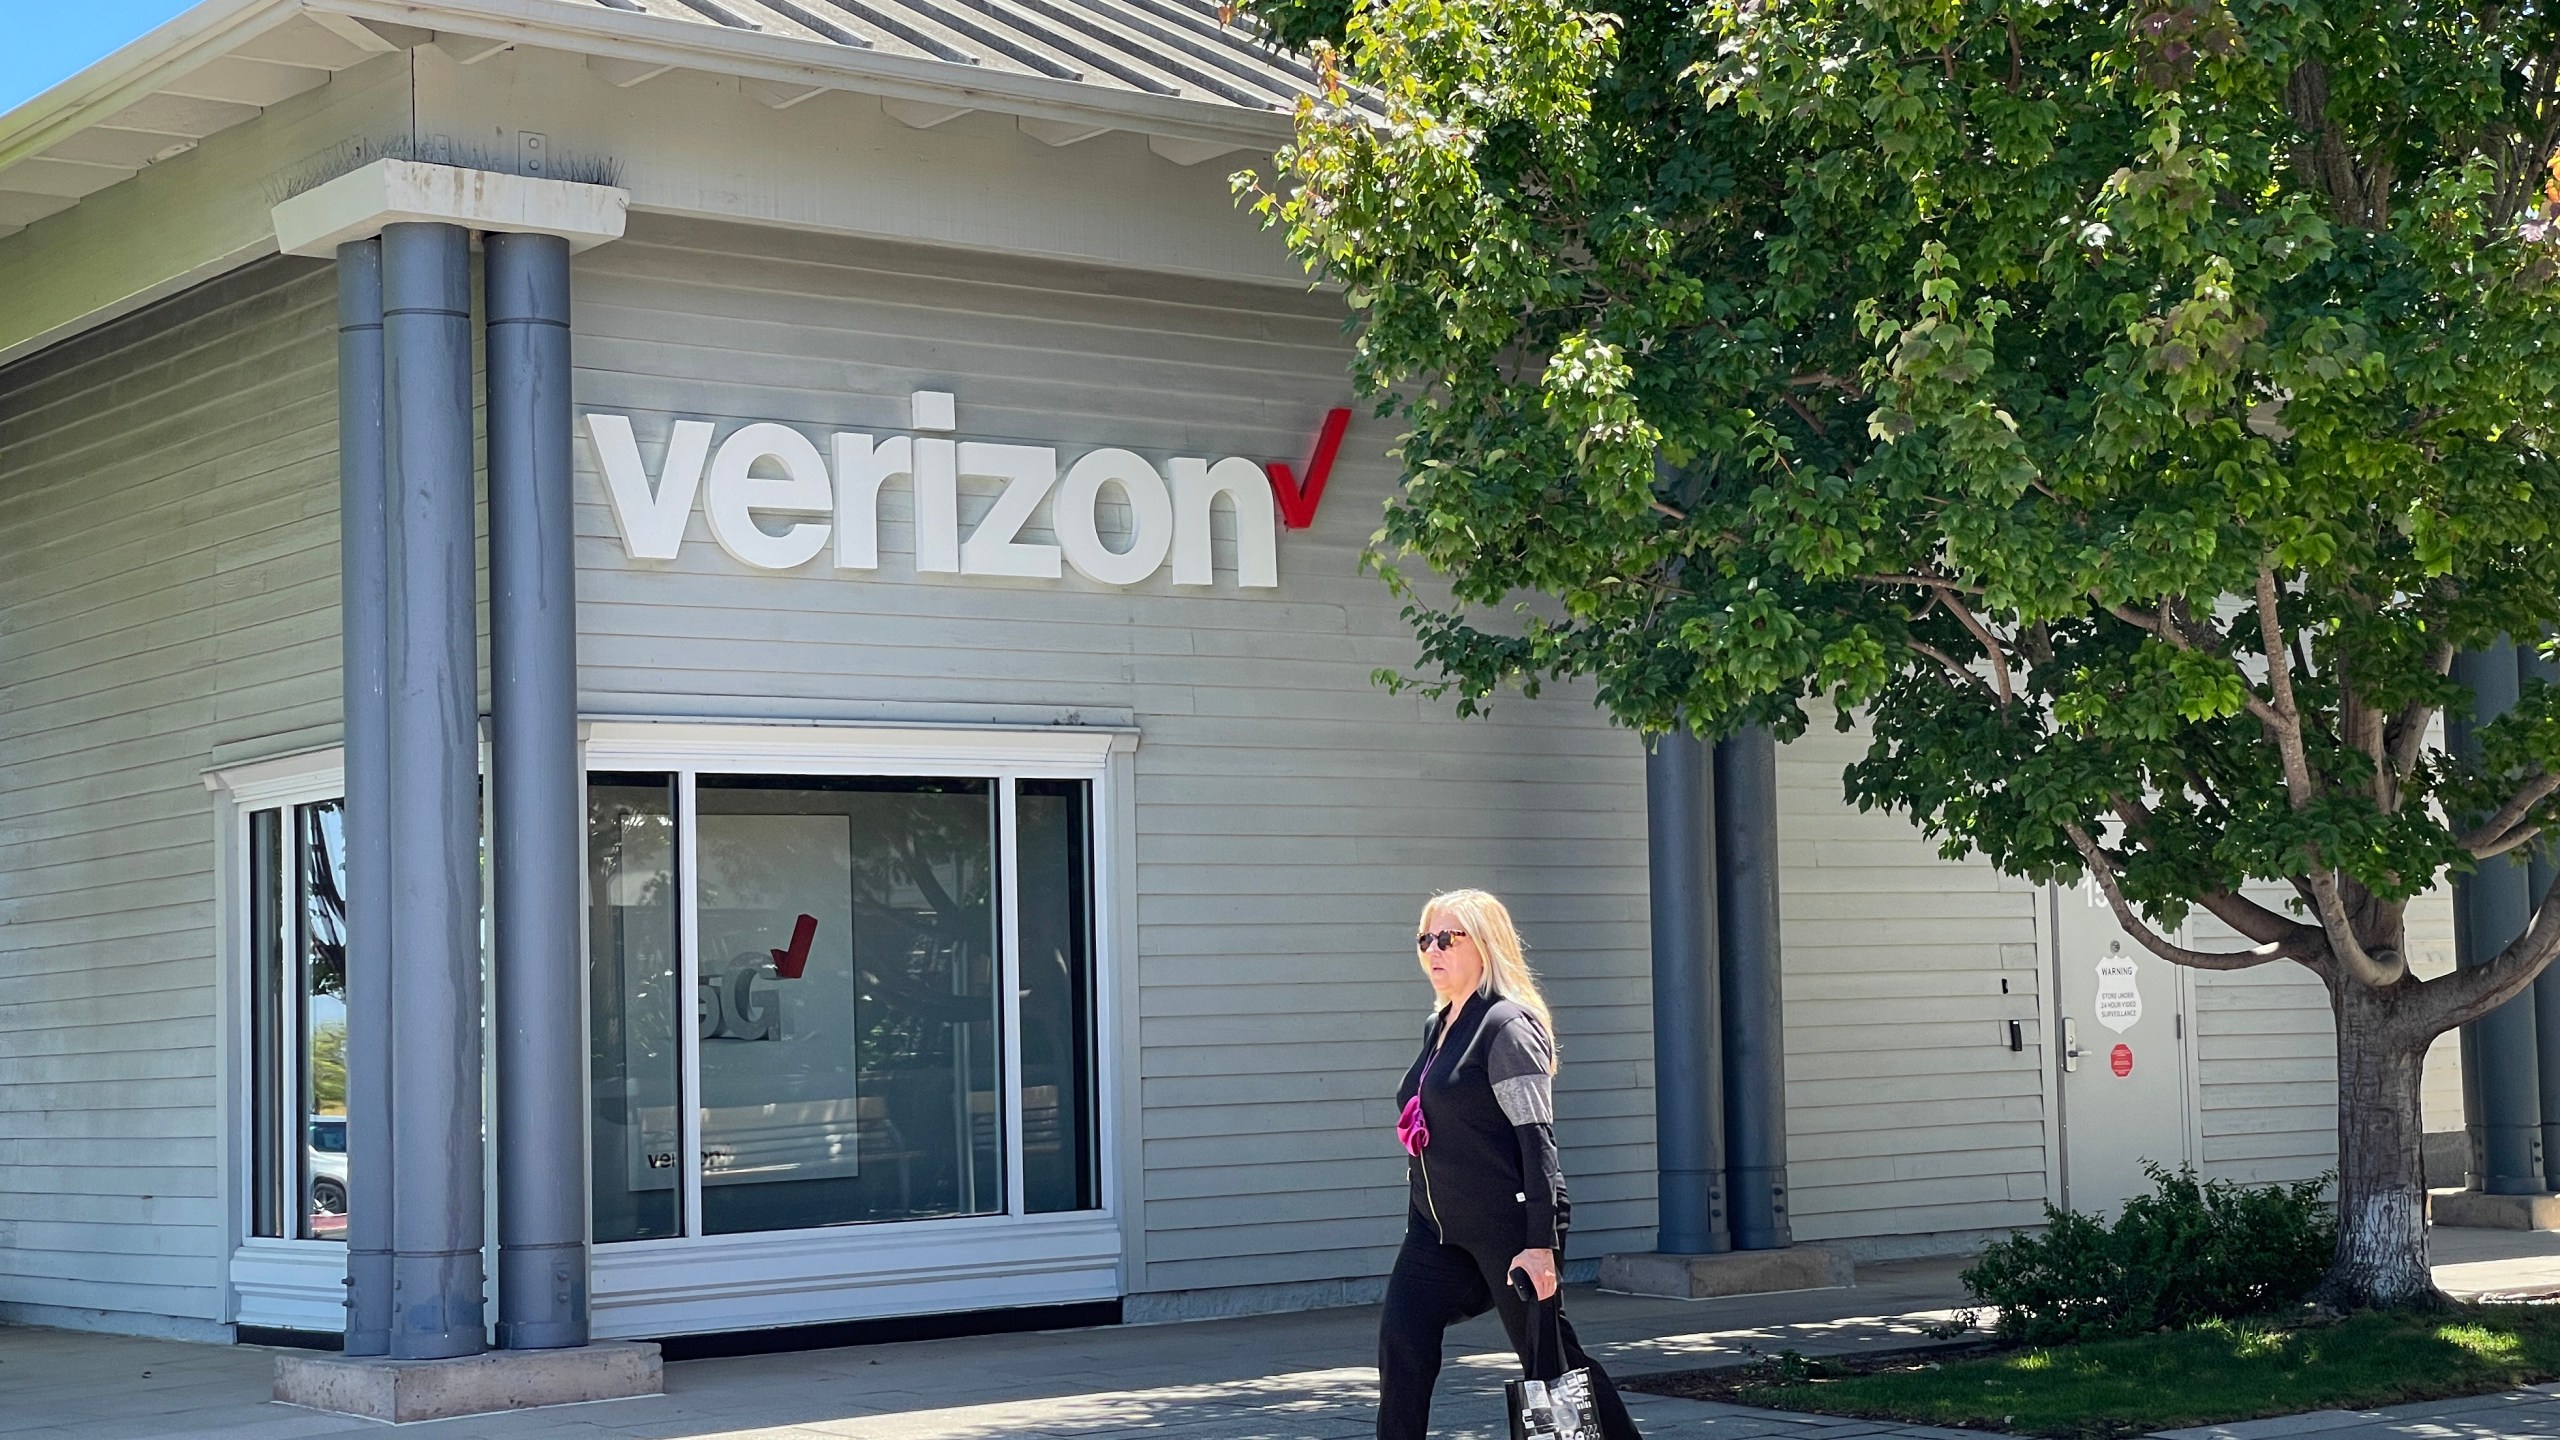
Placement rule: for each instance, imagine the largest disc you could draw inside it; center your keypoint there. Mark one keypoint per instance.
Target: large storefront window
(859, 1045)
(298, 1021)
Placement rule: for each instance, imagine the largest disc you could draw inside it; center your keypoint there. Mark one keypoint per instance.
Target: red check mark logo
(790, 963)
(1298, 501)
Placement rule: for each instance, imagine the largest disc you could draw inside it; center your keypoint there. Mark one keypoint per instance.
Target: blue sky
(48, 43)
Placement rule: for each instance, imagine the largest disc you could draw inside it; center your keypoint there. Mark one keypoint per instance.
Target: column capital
(358, 204)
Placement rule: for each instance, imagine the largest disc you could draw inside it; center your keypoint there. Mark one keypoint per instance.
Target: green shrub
(2190, 1252)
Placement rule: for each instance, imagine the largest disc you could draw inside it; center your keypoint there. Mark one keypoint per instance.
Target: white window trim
(697, 1283)
(278, 1282)
(1043, 752)
(284, 780)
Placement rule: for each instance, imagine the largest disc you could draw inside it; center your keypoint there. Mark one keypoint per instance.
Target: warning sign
(2119, 1004)
(2120, 1060)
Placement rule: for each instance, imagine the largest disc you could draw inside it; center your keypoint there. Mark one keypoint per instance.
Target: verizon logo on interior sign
(761, 476)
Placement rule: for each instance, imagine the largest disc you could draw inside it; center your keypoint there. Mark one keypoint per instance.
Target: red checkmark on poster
(789, 963)
(1298, 502)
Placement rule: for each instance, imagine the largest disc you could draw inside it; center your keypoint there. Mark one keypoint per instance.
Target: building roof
(1174, 70)
(1173, 48)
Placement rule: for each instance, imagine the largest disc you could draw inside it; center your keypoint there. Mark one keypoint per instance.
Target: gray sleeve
(1516, 1063)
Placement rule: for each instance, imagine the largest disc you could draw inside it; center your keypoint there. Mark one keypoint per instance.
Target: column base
(375, 1388)
(2477, 1210)
(1737, 1272)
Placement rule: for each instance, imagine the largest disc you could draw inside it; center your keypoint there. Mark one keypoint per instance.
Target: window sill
(853, 1272)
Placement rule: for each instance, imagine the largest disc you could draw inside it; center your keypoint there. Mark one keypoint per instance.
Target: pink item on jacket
(1410, 1128)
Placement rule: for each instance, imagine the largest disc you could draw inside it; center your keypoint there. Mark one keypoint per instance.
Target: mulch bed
(1726, 1383)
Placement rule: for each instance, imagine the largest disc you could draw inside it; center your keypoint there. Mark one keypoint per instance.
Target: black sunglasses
(1441, 939)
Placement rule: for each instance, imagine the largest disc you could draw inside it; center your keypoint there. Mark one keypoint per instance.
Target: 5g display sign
(773, 499)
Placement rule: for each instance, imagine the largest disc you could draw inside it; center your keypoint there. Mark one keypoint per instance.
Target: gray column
(1755, 1068)
(2546, 1011)
(2531, 666)
(534, 796)
(433, 685)
(1688, 1074)
(2501, 1071)
(363, 588)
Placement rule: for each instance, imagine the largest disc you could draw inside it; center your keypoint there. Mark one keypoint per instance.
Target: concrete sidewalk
(1306, 1376)
(2521, 1415)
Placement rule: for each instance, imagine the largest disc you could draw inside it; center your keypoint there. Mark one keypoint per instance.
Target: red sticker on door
(2120, 1060)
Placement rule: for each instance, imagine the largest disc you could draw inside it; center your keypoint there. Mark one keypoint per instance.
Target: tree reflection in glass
(635, 1058)
(848, 1013)
(320, 927)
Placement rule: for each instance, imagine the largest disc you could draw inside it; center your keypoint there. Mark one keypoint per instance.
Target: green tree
(329, 1068)
(2129, 410)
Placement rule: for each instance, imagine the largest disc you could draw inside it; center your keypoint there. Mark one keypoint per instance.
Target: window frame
(698, 1284)
(283, 1282)
(696, 1281)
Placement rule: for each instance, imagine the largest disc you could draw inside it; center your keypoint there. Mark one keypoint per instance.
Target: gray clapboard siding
(167, 547)
(2267, 1054)
(2266, 1059)
(2266, 1085)
(1907, 1114)
(1290, 814)
(2430, 922)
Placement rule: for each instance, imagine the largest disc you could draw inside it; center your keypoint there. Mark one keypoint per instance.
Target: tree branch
(2388, 968)
(2154, 625)
(2362, 727)
(2287, 721)
(2409, 727)
(1805, 414)
(2301, 788)
(2497, 834)
(1928, 582)
(2253, 920)
(2358, 188)
(2103, 871)
(2516, 840)
(1952, 668)
(2037, 642)
(1990, 643)
(1825, 380)
(2175, 634)
(2466, 995)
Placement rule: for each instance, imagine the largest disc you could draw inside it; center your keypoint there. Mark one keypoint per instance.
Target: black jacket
(1489, 1175)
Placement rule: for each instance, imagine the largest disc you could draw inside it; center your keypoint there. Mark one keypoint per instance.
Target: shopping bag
(1557, 1409)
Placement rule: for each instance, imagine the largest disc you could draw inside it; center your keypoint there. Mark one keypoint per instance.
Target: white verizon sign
(773, 501)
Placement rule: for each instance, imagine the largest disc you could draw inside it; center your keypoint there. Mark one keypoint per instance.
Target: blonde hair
(1507, 976)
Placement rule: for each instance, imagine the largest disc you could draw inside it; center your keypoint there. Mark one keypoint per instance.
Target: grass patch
(2222, 1371)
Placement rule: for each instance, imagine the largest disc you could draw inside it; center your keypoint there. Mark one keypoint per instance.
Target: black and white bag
(1557, 1409)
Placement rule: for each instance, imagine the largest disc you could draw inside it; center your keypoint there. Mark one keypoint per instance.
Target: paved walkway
(1269, 1377)
(2528, 1413)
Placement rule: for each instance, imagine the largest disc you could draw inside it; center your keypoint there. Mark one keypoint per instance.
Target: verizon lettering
(773, 500)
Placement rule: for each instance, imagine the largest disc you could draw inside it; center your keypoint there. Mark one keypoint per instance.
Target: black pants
(1435, 1286)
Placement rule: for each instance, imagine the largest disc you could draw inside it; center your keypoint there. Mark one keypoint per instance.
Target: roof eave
(204, 32)
(619, 34)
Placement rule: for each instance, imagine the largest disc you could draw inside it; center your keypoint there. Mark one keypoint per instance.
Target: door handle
(2070, 1044)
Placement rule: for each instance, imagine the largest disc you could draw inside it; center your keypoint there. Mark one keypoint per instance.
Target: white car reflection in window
(327, 1168)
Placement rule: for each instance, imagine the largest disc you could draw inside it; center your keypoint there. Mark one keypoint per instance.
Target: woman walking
(1487, 1194)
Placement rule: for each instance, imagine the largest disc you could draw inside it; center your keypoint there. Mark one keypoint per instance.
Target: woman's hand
(1541, 1265)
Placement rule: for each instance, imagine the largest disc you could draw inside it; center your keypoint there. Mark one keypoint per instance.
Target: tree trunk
(2381, 1260)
